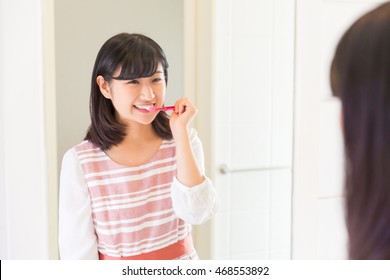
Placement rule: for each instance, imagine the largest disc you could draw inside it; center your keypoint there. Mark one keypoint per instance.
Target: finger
(177, 106)
(181, 105)
(184, 106)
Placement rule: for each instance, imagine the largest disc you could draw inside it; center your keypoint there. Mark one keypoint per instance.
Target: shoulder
(78, 150)
(85, 146)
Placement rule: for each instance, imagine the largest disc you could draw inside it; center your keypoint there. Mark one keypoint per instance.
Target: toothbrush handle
(167, 108)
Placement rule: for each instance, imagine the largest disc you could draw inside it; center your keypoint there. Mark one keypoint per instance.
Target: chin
(145, 121)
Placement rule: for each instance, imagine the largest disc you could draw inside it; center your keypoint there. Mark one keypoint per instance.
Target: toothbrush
(167, 108)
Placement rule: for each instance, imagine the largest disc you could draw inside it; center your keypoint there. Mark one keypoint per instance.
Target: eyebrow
(130, 79)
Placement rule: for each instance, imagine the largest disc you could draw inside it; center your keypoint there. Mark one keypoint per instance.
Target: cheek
(162, 96)
(121, 102)
(160, 92)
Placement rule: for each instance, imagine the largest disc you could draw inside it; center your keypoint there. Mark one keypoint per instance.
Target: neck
(139, 133)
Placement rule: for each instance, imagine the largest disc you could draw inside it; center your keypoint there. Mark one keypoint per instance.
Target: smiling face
(132, 99)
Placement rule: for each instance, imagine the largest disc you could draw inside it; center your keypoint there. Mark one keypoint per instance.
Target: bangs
(140, 63)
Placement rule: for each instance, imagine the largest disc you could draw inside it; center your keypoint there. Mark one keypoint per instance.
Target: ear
(104, 86)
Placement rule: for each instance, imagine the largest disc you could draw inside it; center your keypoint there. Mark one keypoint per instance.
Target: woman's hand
(182, 116)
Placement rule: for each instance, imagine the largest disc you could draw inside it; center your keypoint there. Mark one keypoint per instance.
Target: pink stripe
(133, 212)
(134, 197)
(161, 231)
(133, 186)
(148, 233)
(127, 172)
(134, 222)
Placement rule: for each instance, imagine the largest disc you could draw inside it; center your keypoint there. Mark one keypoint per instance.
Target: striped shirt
(133, 210)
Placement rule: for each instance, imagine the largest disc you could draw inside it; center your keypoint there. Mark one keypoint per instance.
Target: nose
(147, 92)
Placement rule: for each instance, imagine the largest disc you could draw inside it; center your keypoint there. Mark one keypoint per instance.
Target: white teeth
(145, 107)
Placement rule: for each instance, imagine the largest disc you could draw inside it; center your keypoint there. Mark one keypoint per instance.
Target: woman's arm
(77, 238)
(195, 204)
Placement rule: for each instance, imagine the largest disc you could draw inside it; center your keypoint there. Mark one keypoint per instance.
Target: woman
(360, 77)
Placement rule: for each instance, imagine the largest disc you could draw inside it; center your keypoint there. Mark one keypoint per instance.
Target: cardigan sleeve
(196, 204)
(77, 238)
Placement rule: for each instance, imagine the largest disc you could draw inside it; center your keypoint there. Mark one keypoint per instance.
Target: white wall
(23, 155)
(3, 209)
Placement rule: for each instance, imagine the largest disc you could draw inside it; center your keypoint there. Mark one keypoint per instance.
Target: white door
(253, 124)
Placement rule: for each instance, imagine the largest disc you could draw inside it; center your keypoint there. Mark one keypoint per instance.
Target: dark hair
(137, 56)
(360, 77)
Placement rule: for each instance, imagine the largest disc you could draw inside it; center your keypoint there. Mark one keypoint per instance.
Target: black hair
(360, 77)
(137, 56)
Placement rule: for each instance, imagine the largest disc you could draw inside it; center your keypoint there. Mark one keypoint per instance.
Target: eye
(156, 80)
(134, 82)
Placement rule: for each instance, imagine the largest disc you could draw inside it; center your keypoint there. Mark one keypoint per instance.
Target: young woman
(360, 77)
(133, 188)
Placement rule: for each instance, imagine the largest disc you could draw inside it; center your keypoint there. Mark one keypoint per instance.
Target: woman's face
(133, 98)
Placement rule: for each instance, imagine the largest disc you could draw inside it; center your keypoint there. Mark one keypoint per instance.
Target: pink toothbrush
(167, 108)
